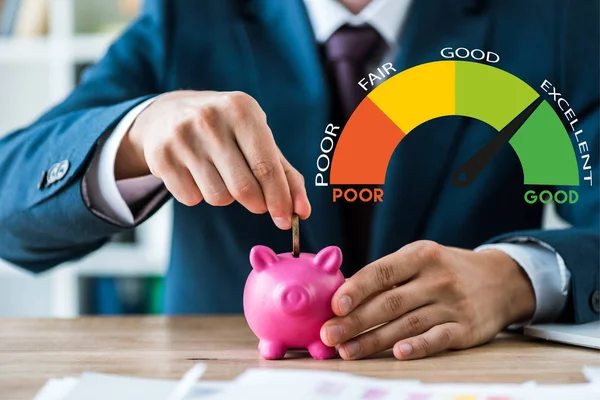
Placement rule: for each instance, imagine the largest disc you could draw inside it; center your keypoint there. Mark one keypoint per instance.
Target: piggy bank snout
(293, 298)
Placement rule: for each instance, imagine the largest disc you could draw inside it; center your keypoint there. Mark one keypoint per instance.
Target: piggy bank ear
(261, 257)
(329, 259)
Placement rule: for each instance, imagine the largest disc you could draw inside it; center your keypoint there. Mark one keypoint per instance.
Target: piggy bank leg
(319, 351)
(271, 350)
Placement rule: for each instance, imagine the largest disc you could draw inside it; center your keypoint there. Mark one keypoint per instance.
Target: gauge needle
(470, 170)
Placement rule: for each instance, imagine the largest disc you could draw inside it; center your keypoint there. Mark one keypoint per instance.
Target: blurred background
(44, 47)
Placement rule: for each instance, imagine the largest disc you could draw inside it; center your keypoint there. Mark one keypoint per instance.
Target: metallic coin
(295, 236)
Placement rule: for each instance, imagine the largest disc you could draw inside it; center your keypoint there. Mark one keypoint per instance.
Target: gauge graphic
(456, 88)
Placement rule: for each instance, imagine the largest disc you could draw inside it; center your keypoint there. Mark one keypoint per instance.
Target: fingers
(384, 273)
(297, 189)
(218, 167)
(220, 149)
(177, 178)
(375, 277)
(382, 338)
(211, 185)
(181, 184)
(255, 141)
(435, 340)
(239, 180)
(387, 306)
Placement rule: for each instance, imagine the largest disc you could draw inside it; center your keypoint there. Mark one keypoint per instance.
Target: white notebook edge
(583, 335)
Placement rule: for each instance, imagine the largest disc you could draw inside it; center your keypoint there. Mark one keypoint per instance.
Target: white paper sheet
(94, 386)
(56, 389)
(592, 374)
(63, 389)
(376, 391)
(278, 384)
(185, 385)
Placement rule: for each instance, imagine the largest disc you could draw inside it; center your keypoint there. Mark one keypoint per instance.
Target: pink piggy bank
(287, 300)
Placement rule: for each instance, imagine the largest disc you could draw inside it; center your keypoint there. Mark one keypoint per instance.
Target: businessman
(221, 104)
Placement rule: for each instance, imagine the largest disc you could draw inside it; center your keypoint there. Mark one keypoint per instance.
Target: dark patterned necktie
(348, 53)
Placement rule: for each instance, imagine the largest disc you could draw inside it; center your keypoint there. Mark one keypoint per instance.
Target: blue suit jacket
(266, 48)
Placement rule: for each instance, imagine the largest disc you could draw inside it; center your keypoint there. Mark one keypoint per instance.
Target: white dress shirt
(543, 265)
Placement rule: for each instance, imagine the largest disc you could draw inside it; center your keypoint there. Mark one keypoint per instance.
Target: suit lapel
(414, 180)
(292, 88)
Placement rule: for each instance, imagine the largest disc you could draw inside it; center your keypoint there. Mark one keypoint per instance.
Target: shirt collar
(385, 16)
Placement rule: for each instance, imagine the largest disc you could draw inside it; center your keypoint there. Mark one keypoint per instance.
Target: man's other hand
(426, 298)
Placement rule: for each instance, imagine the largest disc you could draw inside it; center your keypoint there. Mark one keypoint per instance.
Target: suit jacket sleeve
(40, 228)
(577, 80)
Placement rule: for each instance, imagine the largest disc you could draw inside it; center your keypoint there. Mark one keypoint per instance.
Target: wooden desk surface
(34, 350)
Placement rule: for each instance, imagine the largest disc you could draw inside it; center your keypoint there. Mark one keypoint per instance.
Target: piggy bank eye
(261, 257)
(329, 259)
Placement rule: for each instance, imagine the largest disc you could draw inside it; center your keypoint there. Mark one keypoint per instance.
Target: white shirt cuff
(546, 270)
(104, 193)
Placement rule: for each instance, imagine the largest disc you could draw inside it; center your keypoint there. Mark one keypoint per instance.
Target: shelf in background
(24, 49)
(119, 260)
(76, 49)
(115, 259)
(36, 72)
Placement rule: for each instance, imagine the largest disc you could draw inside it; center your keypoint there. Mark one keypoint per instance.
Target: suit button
(63, 168)
(595, 301)
(57, 172)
